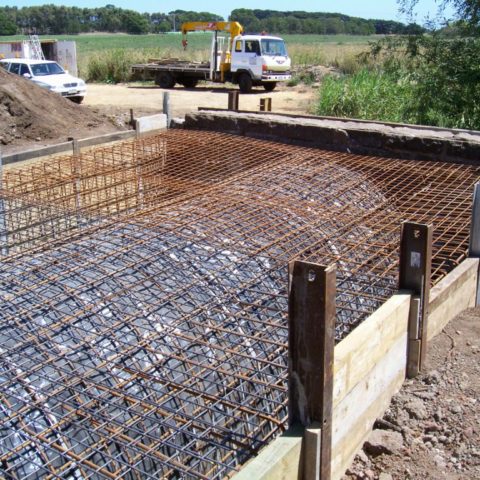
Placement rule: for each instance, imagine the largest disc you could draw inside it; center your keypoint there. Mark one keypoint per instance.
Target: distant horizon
(369, 9)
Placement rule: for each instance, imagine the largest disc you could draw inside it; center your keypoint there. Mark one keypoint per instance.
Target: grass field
(93, 49)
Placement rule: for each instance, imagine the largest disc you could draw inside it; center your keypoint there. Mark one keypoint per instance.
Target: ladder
(37, 52)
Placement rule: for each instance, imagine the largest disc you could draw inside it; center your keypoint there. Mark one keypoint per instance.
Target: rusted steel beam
(310, 345)
(415, 275)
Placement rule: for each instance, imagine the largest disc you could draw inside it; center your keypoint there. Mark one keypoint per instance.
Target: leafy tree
(312, 22)
(466, 10)
(7, 27)
(134, 22)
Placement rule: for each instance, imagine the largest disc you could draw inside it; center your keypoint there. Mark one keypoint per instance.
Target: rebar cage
(144, 292)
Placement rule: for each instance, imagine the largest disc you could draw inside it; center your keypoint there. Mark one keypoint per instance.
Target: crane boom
(233, 27)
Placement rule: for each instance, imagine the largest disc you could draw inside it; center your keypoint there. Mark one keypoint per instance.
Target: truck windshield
(42, 69)
(273, 47)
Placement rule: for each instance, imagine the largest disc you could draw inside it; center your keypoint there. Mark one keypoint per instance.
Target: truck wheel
(245, 83)
(165, 80)
(189, 82)
(269, 86)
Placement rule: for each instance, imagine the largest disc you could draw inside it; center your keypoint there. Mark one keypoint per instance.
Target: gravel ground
(432, 428)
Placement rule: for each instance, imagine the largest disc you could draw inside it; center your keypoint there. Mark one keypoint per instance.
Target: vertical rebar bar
(3, 218)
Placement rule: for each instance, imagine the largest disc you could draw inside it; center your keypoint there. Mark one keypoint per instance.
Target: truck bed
(192, 69)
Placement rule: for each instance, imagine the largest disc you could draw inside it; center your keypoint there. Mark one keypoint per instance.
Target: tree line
(317, 22)
(51, 19)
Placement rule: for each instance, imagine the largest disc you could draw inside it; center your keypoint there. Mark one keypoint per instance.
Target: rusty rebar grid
(143, 317)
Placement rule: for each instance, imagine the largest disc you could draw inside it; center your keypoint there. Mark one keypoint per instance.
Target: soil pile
(31, 114)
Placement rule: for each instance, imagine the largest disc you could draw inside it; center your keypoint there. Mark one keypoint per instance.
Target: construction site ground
(32, 117)
(148, 98)
(432, 428)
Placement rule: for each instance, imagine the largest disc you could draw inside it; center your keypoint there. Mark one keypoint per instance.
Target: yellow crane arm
(233, 27)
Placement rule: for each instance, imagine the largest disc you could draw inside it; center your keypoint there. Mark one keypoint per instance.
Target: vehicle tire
(245, 83)
(78, 100)
(165, 80)
(189, 82)
(269, 86)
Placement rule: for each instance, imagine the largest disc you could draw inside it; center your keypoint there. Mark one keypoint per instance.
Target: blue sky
(383, 9)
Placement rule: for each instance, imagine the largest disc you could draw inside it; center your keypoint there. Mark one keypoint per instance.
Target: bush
(111, 66)
(429, 80)
(371, 95)
(447, 82)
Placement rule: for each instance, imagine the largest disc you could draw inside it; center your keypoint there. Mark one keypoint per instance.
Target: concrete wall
(369, 368)
(369, 138)
(151, 123)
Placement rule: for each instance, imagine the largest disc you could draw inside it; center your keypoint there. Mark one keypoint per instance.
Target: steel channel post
(167, 108)
(3, 219)
(414, 275)
(311, 322)
(266, 104)
(474, 248)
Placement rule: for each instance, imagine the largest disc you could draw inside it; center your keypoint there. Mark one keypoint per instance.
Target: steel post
(311, 343)
(414, 275)
(233, 100)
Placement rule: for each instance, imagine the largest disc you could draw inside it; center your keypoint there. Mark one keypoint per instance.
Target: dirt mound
(30, 114)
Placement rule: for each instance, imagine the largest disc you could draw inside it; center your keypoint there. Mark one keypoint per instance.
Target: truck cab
(259, 60)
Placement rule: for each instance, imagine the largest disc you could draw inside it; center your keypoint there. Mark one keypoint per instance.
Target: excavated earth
(32, 116)
(431, 430)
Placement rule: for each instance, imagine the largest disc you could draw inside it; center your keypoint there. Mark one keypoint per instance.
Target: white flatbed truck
(246, 60)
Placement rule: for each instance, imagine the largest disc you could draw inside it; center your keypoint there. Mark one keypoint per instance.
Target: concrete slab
(151, 123)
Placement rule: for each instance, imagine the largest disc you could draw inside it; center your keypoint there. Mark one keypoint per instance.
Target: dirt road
(145, 99)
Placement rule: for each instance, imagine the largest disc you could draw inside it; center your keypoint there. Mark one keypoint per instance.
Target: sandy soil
(145, 99)
(33, 116)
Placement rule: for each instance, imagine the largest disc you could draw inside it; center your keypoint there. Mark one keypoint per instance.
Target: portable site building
(62, 51)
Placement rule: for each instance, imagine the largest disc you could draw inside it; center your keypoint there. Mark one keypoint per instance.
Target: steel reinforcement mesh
(143, 292)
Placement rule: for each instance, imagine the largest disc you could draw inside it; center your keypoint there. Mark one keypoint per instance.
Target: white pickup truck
(49, 75)
(247, 60)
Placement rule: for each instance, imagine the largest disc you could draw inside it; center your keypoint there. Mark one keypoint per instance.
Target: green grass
(118, 51)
